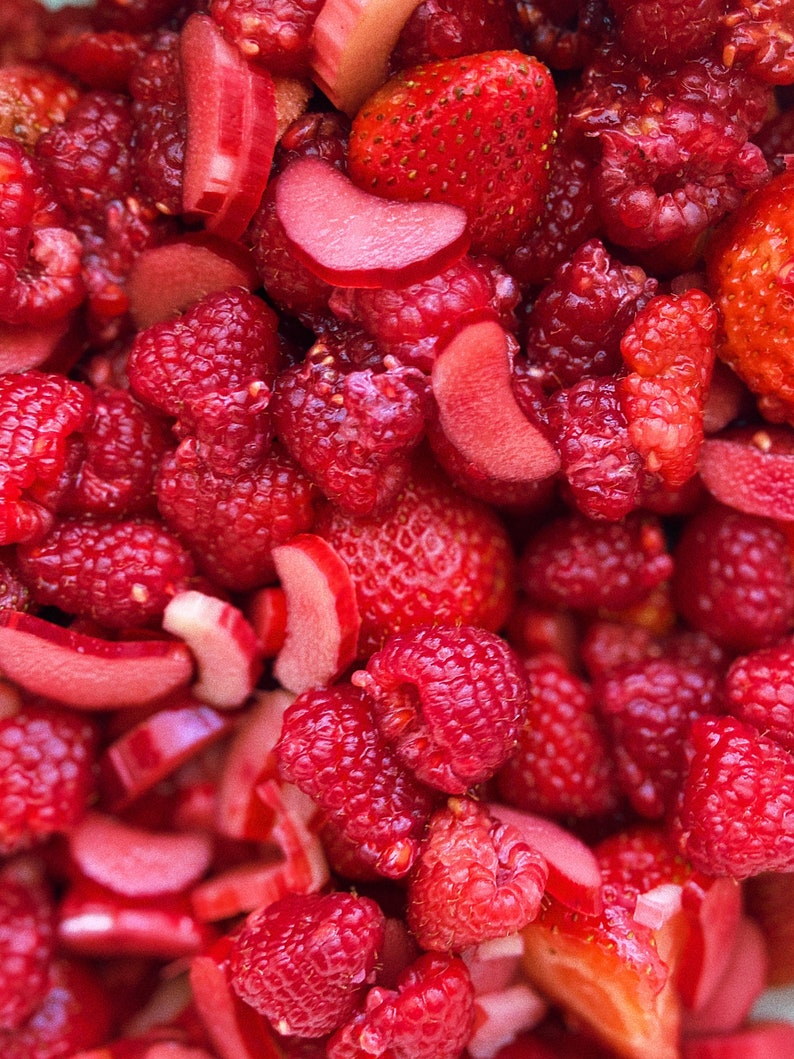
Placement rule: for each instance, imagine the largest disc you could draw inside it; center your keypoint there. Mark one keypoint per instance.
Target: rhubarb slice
(752, 471)
(351, 238)
(86, 672)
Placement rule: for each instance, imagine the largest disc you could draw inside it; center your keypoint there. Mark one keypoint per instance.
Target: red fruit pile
(396, 529)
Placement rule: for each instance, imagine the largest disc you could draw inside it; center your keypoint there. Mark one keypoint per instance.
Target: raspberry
(352, 432)
(14, 593)
(758, 37)
(475, 879)
(98, 59)
(733, 578)
(86, 158)
(561, 766)
(46, 774)
(759, 691)
(663, 34)
(275, 34)
(575, 562)
(648, 708)
(120, 573)
(736, 799)
(558, 33)
(331, 748)
(578, 318)
(303, 962)
(449, 700)
(134, 15)
(436, 557)
(21, 31)
(316, 134)
(233, 523)
(26, 945)
(776, 139)
(32, 100)
(428, 1016)
(444, 29)
(635, 861)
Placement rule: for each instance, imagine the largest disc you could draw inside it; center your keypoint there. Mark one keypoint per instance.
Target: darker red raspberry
(160, 118)
(733, 578)
(134, 16)
(561, 765)
(436, 557)
(46, 774)
(331, 748)
(315, 134)
(559, 34)
(398, 1022)
(759, 691)
(278, 35)
(98, 59)
(444, 29)
(576, 562)
(759, 37)
(232, 524)
(663, 34)
(14, 593)
(120, 573)
(32, 99)
(450, 700)
(27, 923)
(304, 961)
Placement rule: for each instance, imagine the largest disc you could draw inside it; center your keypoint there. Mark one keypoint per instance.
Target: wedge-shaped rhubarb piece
(23, 348)
(351, 238)
(740, 986)
(351, 44)
(763, 1040)
(224, 645)
(86, 672)
(231, 129)
(478, 412)
(713, 909)
(135, 862)
(752, 471)
(323, 622)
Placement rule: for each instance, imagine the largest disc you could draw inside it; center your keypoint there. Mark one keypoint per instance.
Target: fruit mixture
(397, 536)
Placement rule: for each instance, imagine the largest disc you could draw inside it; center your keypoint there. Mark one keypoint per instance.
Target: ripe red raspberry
(331, 748)
(664, 34)
(575, 562)
(759, 690)
(27, 920)
(304, 961)
(437, 556)
(443, 29)
(99, 59)
(352, 432)
(429, 1015)
(648, 708)
(315, 134)
(276, 35)
(559, 34)
(757, 37)
(450, 700)
(733, 578)
(118, 572)
(46, 774)
(736, 800)
(635, 861)
(32, 100)
(232, 524)
(561, 766)
(475, 879)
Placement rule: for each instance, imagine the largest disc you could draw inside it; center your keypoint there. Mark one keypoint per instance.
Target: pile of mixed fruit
(397, 537)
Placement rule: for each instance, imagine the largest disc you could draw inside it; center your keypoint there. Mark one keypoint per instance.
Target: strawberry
(473, 131)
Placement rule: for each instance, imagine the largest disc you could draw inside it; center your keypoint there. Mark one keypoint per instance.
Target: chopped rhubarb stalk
(23, 348)
(351, 238)
(165, 280)
(86, 672)
(763, 1040)
(501, 1016)
(713, 908)
(478, 411)
(494, 964)
(267, 612)
(574, 874)
(231, 129)
(134, 862)
(222, 642)
(323, 621)
(657, 906)
(752, 471)
(351, 44)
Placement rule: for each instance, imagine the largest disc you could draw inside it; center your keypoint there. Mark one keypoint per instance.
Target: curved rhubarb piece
(713, 908)
(761, 1040)
(85, 672)
(752, 471)
(23, 347)
(478, 412)
(350, 238)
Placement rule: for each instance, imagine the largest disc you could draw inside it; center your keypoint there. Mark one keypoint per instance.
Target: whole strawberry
(473, 131)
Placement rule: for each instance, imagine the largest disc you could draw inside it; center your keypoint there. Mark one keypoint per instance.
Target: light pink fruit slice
(231, 129)
(657, 907)
(713, 909)
(23, 348)
(501, 1016)
(351, 238)
(478, 412)
(165, 280)
(574, 874)
(768, 1040)
(224, 645)
(752, 471)
(323, 622)
(138, 863)
(351, 44)
(739, 987)
(85, 672)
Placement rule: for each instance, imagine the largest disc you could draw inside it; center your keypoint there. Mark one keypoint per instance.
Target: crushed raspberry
(275, 34)
(758, 691)
(159, 114)
(26, 945)
(757, 36)
(86, 158)
(559, 34)
(331, 748)
(316, 134)
(664, 34)
(120, 573)
(352, 432)
(304, 961)
(32, 100)
(232, 524)
(395, 1023)
(733, 578)
(443, 29)
(736, 798)
(98, 59)
(437, 556)
(46, 774)
(561, 766)
(648, 708)
(449, 700)
(578, 563)
(776, 139)
(475, 879)
(14, 593)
